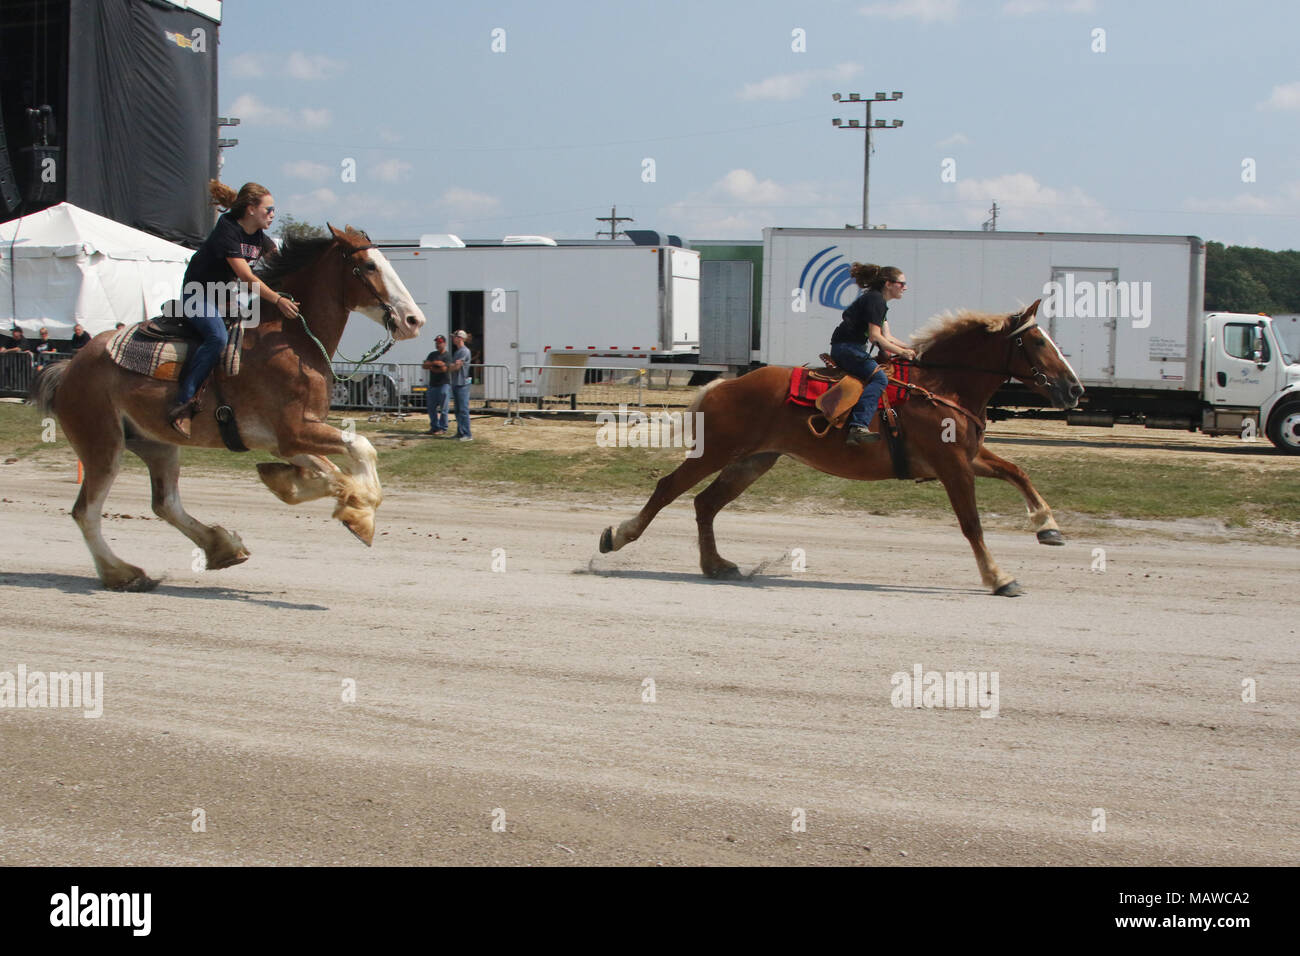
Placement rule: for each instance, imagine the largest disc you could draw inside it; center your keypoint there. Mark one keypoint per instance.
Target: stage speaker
(9, 194)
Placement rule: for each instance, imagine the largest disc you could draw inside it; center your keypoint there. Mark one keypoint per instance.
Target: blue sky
(1153, 134)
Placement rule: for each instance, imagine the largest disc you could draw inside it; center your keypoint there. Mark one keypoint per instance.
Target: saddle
(158, 347)
(841, 392)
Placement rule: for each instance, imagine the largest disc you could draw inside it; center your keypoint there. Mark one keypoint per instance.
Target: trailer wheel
(341, 394)
(1284, 427)
(379, 392)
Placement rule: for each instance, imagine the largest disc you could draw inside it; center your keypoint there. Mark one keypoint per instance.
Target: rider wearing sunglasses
(864, 320)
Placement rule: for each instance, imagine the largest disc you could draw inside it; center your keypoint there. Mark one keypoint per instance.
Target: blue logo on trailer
(829, 280)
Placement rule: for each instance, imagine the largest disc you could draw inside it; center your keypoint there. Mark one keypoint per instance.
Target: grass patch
(1092, 483)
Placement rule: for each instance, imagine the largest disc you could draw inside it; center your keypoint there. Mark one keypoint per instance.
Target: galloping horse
(961, 360)
(281, 398)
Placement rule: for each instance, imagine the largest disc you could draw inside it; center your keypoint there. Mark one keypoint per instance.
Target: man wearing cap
(458, 368)
(436, 398)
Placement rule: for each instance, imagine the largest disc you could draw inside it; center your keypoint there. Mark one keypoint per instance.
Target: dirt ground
(520, 697)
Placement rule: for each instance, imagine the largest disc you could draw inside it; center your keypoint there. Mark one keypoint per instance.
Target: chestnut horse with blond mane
(281, 398)
(961, 361)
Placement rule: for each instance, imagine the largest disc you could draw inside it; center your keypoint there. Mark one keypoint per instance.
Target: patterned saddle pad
(147, 355)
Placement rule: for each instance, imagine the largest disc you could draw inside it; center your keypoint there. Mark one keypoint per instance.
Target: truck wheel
(1284, 428)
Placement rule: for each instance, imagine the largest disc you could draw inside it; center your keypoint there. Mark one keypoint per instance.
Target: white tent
(64, 265)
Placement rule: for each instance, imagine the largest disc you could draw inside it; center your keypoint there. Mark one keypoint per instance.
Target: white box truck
(610, 303)
(1127, 311)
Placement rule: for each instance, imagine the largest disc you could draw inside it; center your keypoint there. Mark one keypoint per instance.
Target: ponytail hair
(870, 276)
(237, 202)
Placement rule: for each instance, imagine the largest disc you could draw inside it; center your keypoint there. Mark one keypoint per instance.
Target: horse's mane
(298, 253)
(950, 325)
(293, 254)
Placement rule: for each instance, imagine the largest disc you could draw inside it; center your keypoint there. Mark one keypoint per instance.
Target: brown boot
(179, 417)
(860, 436)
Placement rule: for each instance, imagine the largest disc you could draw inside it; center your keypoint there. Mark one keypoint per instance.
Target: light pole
(866, 146)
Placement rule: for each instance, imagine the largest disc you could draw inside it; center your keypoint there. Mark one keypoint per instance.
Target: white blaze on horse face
(1064, 360)
(397, 296)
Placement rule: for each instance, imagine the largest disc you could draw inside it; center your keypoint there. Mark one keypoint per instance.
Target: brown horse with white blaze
(962, 360)
(281, 399)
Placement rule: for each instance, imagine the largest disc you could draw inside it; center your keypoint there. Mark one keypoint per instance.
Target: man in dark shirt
(436, 398)
(44, 347)
(79, 337)
(19, 342)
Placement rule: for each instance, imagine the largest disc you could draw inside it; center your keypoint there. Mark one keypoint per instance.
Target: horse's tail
(700, 395)
(46, 384)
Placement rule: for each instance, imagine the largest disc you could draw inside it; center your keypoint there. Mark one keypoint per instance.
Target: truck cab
(1252, 382)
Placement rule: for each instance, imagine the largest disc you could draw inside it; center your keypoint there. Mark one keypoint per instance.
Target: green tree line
(1243, 279)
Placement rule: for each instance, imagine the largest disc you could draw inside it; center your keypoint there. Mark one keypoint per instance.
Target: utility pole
(613, 219)
(991, 224)
(856, 98)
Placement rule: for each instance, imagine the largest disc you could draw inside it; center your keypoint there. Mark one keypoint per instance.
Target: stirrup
(179, 417)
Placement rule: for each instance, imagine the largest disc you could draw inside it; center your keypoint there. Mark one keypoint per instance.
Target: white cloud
(248, 65)
(789, 86)
(1025, 203)
(456, 201)
(388, 135)
(740, 204)
(390, 170)
(252, 110)
(926, 11)
(1022, 8)
(311, 66)
(306, 169)
(1251, 203)
(956, 139)
(369, 211)
(1285, 97)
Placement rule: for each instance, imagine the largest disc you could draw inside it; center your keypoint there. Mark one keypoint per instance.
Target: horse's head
(1036, 361)
(373, 288)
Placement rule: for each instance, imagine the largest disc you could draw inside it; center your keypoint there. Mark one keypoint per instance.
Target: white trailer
(1126, 312)
(542, 305)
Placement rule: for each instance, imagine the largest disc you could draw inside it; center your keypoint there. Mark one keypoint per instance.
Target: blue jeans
(435, 400)
(203, 357)
(855, 360)
(462, 409)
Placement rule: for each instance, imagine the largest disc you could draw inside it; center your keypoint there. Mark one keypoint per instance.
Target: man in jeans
(458, 368)
(436, 397)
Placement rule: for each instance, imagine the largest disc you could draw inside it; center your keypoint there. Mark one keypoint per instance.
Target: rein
(1015, 340)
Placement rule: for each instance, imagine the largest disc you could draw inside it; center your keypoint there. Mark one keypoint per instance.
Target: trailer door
(1081, 320)
(726, 311)
(500, 343)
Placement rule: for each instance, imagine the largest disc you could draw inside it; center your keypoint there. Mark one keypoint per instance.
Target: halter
(390, 323)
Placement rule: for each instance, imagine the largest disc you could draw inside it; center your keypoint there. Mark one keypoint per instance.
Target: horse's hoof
(607, 540)
(1010, 589)
(139, 583)
(363, 531)
(1051, 536)
(724, 572)
(228, 561)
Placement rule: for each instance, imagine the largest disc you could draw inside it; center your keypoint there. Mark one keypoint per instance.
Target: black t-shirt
(867, 309)
(436, 377)
(226, 241)
(79, 339)
(26, 344)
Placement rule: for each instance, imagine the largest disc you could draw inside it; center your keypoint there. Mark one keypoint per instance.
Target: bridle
(390, 322)
(1015, 340)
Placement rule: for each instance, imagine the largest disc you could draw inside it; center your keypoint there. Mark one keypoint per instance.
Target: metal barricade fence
(602, 386)
(17, 369)
(396, 387)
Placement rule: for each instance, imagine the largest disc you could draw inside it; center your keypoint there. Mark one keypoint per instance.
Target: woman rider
(238, 239)
(864, 320)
